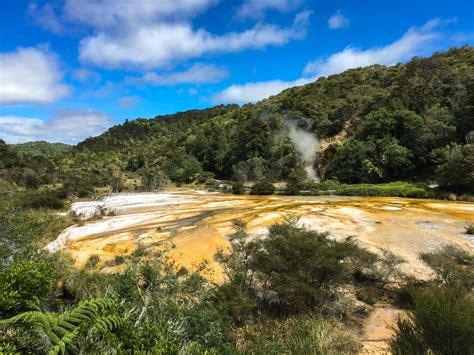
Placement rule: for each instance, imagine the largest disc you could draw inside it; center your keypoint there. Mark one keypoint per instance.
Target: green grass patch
(393, 189)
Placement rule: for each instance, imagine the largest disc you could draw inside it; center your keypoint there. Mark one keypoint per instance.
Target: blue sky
(69, 69)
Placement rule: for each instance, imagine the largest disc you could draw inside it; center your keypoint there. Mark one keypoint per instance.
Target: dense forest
(378, 130)
(410, 122)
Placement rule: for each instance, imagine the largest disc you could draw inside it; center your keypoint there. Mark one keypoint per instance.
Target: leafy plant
(441, 322)
(60, 333)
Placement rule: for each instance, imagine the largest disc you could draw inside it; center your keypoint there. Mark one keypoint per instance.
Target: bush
(292, 270)
(451, 265)
(36, 200)
(393, 189)
(119, 259)
(368, 294)
(295, 335)
(441, 322)
(470, 229)
(24, 285)
(92, 262)
(238, 188)
(329, 185)
(262, 188)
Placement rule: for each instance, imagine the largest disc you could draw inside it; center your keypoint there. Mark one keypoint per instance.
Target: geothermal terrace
(192, 225)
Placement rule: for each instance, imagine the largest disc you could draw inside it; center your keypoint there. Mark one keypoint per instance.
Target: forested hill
(410, 121)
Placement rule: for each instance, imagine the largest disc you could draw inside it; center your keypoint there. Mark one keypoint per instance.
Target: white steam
(307, 145)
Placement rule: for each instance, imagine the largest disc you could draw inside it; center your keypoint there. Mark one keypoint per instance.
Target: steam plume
(307, 145)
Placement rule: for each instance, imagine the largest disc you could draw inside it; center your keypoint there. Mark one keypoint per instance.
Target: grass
(307, 334)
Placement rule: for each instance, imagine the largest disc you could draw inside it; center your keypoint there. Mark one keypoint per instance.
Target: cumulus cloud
(198, 73)
(68, 126)
(337, 21)
(416, 41)
(255, 91)
(30, 75)
(160, 45)
(256, 9)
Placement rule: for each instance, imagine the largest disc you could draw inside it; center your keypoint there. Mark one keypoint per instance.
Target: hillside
(389, 121)
(409, 122)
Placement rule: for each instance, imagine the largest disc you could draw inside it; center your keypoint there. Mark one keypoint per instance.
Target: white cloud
(46, 17)
(197, 74)
(129, 101)
(110, 13)
(256, 91)
(113, 14)
(256, 9)
(192, 91)
(160, 45)
(337, 21)
(30, 75)
(416, 41)
(68, 126)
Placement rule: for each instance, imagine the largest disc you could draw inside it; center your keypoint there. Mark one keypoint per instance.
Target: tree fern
(63, 330)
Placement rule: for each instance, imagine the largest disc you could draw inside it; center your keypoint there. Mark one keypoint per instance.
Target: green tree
(262, 188)
(455, 167)
(297, 180)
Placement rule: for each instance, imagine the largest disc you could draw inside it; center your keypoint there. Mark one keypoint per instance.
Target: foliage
(368, 294)
(451, 265)
(399, 188)
(470, 229)
(45, 199)
(238, 188)
(441, 321)
(455, 167)
(291, 270)
(23, 285)
(307, 334)
(262, 188)
(297, 180)
(41, 148)
(57, 334)
(384, 124)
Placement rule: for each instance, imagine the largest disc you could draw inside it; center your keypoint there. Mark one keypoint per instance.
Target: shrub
(92, 262)
(212, 184)
(368, 294)
(238, 188)
(470, 229)
(329, 185)
(295, 335)
(23, 285)
(386, 269)
(291, 270)
(36, 200)
(296, 181)
(451, 265)
(393, 189)
(262, 188)
(441, 322)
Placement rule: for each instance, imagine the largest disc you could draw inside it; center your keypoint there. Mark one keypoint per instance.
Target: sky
(70, 69)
